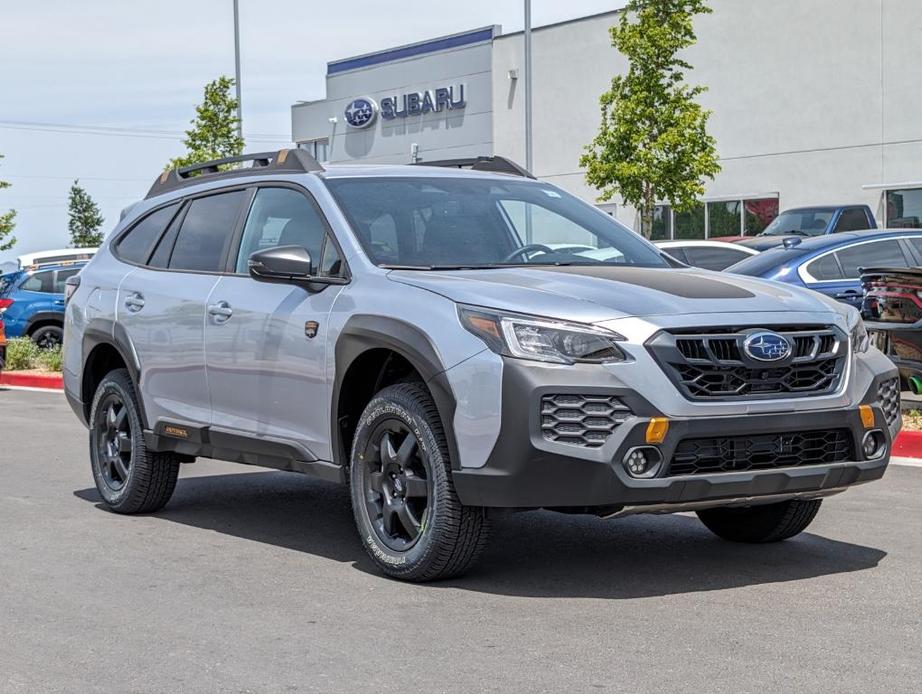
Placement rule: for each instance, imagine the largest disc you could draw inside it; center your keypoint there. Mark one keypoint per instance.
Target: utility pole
(528, 134)
(529, 230)
(237, 67)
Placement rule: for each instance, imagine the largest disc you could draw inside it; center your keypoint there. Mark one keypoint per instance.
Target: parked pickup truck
(812, 221)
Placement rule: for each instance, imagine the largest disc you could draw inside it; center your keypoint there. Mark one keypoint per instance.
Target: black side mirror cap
(281, 264)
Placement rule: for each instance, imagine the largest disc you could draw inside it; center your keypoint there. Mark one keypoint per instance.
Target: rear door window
(136, 245)
(825, 269)
(885, 253)
(203, 239)
(40, 282)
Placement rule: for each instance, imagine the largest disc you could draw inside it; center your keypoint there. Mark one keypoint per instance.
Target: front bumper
(525, 470)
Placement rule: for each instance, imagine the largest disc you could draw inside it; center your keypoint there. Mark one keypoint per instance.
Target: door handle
(134, 302)
(849, 294)
(220, 311)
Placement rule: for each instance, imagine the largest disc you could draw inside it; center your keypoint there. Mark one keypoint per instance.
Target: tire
(129, 477)
(400, 482)
(758, 524)
(48, 336)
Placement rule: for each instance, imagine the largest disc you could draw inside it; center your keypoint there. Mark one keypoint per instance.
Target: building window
(724, 218)
(690, 225)
(318, 149)
(662, 223)
(904, 209)
(759, 213)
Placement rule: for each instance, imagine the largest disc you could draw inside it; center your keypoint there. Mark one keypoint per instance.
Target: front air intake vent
(581, 420)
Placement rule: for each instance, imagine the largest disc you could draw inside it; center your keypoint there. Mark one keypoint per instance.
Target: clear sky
(101, 90)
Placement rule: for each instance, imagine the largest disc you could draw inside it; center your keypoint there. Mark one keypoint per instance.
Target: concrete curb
(908, 444)
(21, 380)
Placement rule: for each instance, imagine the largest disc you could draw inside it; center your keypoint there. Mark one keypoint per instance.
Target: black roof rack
(493, 164)
(285, 160)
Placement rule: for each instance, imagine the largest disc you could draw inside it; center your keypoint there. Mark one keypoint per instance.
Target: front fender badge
(657, 430)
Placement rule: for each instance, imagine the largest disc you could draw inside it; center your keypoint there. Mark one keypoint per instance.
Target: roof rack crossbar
(492, 164)
(285, 160)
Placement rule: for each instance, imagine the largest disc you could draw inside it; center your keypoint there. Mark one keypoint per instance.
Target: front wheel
(758, 524)
(48, 336)
(130, 478)
(408, 516)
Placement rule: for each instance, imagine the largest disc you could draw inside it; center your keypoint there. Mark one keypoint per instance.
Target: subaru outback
(452, 340)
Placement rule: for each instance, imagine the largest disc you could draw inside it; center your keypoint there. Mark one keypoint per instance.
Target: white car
(709, 255)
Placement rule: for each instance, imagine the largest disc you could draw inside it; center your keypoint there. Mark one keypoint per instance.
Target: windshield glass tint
(800, 223)
(767, 262)
(469, 222)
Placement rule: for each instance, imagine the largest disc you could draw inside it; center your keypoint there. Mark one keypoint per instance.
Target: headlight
(860, 340)
(541, 339)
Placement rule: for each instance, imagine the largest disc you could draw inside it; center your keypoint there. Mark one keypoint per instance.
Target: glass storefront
(904, 208)
(690, 225)
(724, 218)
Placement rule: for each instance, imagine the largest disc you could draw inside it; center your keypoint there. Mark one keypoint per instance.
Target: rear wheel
(129, 477)
(48, 336)
(409, 518)
(757, 524)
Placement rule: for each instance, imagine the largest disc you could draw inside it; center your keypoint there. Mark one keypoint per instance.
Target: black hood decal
(675, 282)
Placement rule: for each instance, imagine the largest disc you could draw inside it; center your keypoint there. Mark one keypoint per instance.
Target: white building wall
(812, 99)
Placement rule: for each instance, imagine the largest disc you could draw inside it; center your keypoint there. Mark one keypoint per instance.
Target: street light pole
(237, 68)
(528, 148)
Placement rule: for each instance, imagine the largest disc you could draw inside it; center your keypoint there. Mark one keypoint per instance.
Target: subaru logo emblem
(361, 112)
(766, 346)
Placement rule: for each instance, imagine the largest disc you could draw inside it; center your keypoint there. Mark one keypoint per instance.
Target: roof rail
(285, 160)
(492, 164)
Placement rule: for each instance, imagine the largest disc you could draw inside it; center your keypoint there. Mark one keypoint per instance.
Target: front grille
(711, 363)
(581, 420)
(760, 452)
(888, 397)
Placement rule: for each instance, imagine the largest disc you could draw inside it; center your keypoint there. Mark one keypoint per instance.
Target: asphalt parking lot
(254, 581)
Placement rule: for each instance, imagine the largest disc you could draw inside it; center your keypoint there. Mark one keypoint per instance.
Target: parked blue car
(830, 264)
(32, 302)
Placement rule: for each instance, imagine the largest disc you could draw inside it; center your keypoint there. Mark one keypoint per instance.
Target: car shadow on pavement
(531, 554)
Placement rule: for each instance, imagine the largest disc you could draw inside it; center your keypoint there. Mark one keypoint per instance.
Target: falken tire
(399, 454)
(759, 524)
(129, 477)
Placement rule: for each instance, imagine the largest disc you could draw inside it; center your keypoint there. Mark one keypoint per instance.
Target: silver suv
(455, 339)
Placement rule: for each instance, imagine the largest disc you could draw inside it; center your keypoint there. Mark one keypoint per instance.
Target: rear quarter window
(136, 245)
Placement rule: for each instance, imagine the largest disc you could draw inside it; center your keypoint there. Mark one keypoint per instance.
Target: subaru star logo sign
(767, 346)
(361, 112)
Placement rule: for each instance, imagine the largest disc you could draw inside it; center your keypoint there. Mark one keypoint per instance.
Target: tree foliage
(653, 143)
(214, 133)
(7, 223)
(84, 219)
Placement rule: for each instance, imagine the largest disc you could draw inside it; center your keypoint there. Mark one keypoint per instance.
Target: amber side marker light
(867, 416)
(657, 430)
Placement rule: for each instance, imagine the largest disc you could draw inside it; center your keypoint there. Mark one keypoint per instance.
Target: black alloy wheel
(49, 337)
(395, 483)
(113, 441)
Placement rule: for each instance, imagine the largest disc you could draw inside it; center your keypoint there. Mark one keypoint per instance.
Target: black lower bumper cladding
(735, 457)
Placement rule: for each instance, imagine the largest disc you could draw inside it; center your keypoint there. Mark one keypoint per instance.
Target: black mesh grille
(760, 452)
(581, 420)
(712, 364)
(888, 397)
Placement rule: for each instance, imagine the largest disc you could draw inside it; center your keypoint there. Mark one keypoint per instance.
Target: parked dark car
(804, 222)
(832, 264)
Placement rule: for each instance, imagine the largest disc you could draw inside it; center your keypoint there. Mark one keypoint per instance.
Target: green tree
(653, 143)
(7, 223)
(84, 219)
(213, 134)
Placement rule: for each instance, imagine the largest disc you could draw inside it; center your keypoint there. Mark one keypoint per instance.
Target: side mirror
(281, 264)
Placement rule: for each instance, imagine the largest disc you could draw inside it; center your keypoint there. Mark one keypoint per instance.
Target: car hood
(593, 294)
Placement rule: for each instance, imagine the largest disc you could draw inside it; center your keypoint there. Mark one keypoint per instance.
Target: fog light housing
(873, 445)
(642, 462)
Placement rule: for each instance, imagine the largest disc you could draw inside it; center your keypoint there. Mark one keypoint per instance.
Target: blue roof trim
(410, 51)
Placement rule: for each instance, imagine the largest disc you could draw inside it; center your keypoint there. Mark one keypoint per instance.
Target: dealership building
(813, 103)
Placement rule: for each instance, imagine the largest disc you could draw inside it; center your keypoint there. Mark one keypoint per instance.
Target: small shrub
(21, 353)
(49, 359)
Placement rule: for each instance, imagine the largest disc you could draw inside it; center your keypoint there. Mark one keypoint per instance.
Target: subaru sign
(449, 98)
(767, 346)
(361, 112)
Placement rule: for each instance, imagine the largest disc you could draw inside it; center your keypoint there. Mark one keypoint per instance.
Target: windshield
(807, 222)
(449, 223)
